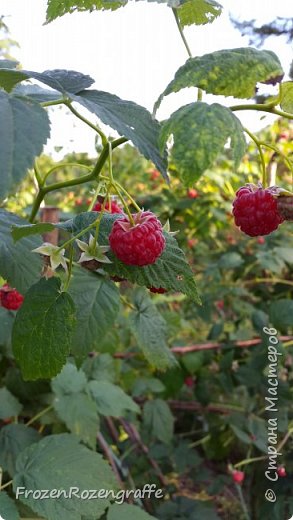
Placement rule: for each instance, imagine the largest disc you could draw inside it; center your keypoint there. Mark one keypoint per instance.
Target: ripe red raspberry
(192, 193)
(10, 298)
(281, 471)
(157, 290)
(238, 476)
(114, 207)
(255, 211)
(141, 244)
(189, 381)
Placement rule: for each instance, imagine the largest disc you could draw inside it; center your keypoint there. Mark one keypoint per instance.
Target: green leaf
(74, 407)
(6, 320)
(110, 399)
(26, 230)
(230, 261)
(14, 438)
(24, 129)
(158, 420)
(193, 361)
(228, 72)
(130, 120)
(127, 512)
(281, 313)
(150, 331)
(101, 368)
(60, 462)
(8, 64)
(97, 302)
(36, 93)
(9, 405)
(200, 132)
(198, 12)
(64, 81)
(171, 270)
(286, 102)
(8, 507)
(41, 350)
(18, 265)
(286, 253)
(56, 8)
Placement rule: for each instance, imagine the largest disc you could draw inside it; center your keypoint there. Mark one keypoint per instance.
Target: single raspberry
(115, 208)
(281, 471)
(10, 298)
(189, 381)
(139, 244)
(158, 290)
(255, 211)
(220, 304)
(238, 476)
(192, 193)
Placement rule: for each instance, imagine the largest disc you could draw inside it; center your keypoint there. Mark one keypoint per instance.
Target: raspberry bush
(132, 324)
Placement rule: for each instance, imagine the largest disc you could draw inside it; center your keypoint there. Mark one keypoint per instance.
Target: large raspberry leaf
(170, 271)
(200, 132)
(41, 350)
(198, 12)
(110, 399)
(9, 405)
(128, 119)
(228, 72)
(97, 302)
(63, 81)
(158, 420)
(150, 331)
(18, 265)
(60, 462)
(74, 406)
(24, 129)
(286, 102)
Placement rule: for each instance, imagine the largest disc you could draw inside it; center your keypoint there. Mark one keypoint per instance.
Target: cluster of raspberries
(255, 211)
(10, 298)
(139, 243)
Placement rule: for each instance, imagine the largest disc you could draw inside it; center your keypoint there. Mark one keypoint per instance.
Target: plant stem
(262, 108)
(262, 159)
(64, 165)
(276, 149)
(74, 182)
(87, 122)
(6, 485)
(181, 32)
(242, 501)
(40, 414)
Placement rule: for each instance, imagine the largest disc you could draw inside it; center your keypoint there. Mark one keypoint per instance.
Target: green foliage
(231, 72)
(60, 462)
(55, 8)
(198, 12)
(7, 507)
(9, 405)
(24, 129)
(41, 350)
(200, 132)
(158, 420)
(286, 102)
(150, 330)
(14, 438)
(127, 512)
(97, 303)
(110, 399)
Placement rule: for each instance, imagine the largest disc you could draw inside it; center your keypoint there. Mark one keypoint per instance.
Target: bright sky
(132, 52)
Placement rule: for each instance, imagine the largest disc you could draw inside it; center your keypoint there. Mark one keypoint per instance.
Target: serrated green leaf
(6, 320)
(36, 93)
(127, 512)
(24, 129)
(281, 314)
(41, 350)
(130, 120)
(200, 132)
(158, 420)
(286, 102)
(150, 331)
(8, 64)
(110, 399)
(60, 462)
(228, 72)
(97, 302)
(171, 270)
(56, 8)
(8, 509)
(74, 406)
(64, 81)
(9, 405)
(27, 230)
(18, 265)
(101, 368)
(14, 438)
(198, 12)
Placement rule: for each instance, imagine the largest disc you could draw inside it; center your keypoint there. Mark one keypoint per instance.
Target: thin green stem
(36, 205)
(262, 159)
(64, 165)
(69, 273)
(115, 187)
(242, 502)
(262, 108)
(53, 103)
(181, 32)
(38, 415)
(129, 196)
(87, 122)
(276, 149)
(38, 175)
(6, 485)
